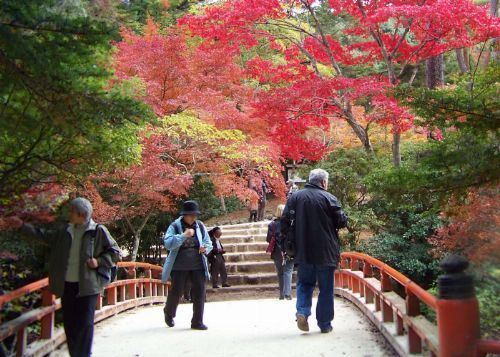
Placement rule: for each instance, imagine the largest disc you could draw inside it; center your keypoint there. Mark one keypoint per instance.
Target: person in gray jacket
(82, 255)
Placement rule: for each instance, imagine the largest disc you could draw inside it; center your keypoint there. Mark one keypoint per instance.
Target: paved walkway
(237, 328)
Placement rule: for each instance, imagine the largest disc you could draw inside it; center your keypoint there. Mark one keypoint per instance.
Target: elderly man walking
(315, 216)
(188, 243)
(81, 257)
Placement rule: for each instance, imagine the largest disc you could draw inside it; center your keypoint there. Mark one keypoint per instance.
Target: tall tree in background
(174, 154)
(58, 119)
(197, 87)
(141, 190)
(392, 37)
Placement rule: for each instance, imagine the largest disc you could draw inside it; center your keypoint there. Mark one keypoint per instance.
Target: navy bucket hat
(190, 207)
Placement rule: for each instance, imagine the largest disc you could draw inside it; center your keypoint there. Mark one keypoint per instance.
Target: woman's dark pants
(198, 280)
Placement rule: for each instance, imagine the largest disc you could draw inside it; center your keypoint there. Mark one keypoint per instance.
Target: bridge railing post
(355, 282)
(132, 291)
(98, 303)
(386, 285)
(368, 273)
(47, 322)
(21, 341)
(112, 295)
(457, 309)
(149, 285)
(413, 309)
(344, 280)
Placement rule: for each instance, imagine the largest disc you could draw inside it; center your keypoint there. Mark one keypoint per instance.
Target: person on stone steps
(188, 243)
(216, 259)
(253, 206)
(284, 265)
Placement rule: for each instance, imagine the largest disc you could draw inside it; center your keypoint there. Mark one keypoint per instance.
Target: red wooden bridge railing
(388, 298)
(139, 288)
(394, 304)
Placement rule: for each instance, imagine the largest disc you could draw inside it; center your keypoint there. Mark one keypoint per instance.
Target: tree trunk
(223, 204)
(360, 132)
(434, 75)
(137, 236)
(462, 64)
(135, 249)
(396, 150)
(495, 45)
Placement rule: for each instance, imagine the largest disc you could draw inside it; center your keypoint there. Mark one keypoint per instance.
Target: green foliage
(432, 171)
(203, 191)
(488, 295)
(348, 169)
(383, 201)
(409, 257)
(134, 13)
(15, 276)
(473, 103)
(409, 216)
(151, 242)
(58, 118)
(428, 312)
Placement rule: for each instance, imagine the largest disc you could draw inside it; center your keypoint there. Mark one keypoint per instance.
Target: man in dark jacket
(316, 215)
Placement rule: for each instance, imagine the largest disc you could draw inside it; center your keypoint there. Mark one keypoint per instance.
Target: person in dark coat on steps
(317, 217)
(217, 260)
(284, 265)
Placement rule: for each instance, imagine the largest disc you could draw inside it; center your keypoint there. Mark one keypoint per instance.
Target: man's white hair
(82, 206)
(317, 176)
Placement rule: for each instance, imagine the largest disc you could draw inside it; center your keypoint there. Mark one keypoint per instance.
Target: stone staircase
(246, 260)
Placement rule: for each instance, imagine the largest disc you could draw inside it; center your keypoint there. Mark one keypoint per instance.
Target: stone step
(246, 256)
(254, 231)
(250, 247)
(244, 288)
(246, 226)
(243, 238)
(251, 267)
(254, 279)
(245, 247)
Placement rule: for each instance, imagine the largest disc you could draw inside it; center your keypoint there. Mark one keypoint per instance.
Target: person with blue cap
(188, 243)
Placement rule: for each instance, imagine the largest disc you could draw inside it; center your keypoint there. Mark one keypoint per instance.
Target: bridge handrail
(134, 291)
(423, 295)
(355, 282)
(121, 295)
(24, 290)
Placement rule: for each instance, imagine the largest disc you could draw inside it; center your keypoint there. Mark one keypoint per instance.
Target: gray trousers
(285, 273)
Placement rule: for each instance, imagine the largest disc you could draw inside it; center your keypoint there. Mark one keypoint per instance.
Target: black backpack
(288, 234)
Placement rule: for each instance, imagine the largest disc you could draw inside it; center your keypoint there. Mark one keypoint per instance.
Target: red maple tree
(397, 34)
(179, 77)
(472, 226)
(151, 186)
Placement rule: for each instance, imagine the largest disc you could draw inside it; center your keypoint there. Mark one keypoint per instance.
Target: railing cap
(455, 284)
(454, 264)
